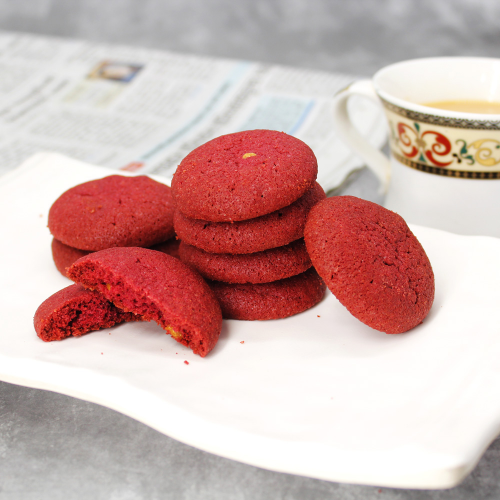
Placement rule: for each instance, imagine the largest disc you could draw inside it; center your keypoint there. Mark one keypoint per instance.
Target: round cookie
(115, 211)
(75, 311)
(65, 255)
(157, 287)
(243, 175)
(261, 267)
(371, 261)
(275, 300)
(254, 235)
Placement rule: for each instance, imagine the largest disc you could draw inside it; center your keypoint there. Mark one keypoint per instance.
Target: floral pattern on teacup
(444, 146)
(435, 148)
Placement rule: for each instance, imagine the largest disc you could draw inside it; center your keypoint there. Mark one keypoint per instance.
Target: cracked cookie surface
(371, 261)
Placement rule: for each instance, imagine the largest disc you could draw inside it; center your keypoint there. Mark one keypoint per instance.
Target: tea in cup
(443, 118)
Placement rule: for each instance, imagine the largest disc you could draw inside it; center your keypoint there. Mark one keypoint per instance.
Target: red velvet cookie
(65, 255)
(156, 287)
(243, 175)
(275, 300)
(75, 311)
(115, 211)
(254, 235)
(371, 261)
(261, 267)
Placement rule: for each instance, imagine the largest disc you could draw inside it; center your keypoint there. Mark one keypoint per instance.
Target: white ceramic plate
(318, 394)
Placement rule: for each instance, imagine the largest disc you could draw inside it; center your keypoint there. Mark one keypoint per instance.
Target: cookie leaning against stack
(372, 262)
(241, 205)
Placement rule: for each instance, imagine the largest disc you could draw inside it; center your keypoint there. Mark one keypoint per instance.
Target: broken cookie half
(155, 287)
(74, 311)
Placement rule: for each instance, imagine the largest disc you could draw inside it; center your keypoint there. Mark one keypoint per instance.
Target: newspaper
(143, 110)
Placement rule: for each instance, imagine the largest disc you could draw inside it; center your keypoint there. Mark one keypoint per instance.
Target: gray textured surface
(53, 446)
(358, 36)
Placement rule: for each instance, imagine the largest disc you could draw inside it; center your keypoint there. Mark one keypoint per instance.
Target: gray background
(53, 446)
(355, 36)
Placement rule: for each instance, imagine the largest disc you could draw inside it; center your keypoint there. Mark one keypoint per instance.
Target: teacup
(444, 167)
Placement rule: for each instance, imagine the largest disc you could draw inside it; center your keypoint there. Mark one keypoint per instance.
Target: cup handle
(374, 159)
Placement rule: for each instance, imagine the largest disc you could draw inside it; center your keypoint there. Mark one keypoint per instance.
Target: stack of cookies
(241, 205)
(115, 211)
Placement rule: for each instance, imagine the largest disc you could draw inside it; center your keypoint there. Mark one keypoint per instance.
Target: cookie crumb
(186, 362)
